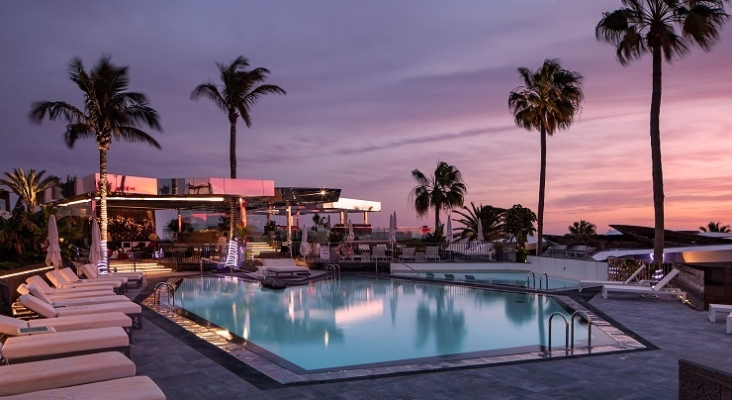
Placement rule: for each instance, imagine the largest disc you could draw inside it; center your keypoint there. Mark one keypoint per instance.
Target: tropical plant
(519, 224)
(68, 187)
(16, 231)
(240, 90)
(652, 26)
(715, 227)
(582, 228)
(27, 185)
(547, 102)
(319, 222)
(442, 190)
(110, 112)
(438, 236)
(491, 219)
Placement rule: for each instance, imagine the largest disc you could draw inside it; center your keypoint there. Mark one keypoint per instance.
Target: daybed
(62, 372)
(131, 309)
(63, 344)
(80, 301)
(283, 266)
(11, 326)
(135, 387)
(59, 281)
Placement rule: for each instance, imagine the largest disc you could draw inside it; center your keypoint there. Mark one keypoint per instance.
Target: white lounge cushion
(61, 372)
(45, 309)
(60, 343)
(135, 387)
(82, 322)
(113, 298)
(9, 325)
(68, 292)
(61, 282)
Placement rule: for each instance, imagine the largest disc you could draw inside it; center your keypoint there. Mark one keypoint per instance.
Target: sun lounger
(135, 387)
(91, 272)
(38, 293)
(715, 308)
(432, 253)
(131, 309)
(64, 344)
(68, 292)
(283, 266)
(71, 276)
(61, 372)
(59, 281)
(408, 254)
(587, 283)
(10, 326)
(658, 289)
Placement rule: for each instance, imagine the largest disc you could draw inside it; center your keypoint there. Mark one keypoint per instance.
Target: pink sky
(378, 88)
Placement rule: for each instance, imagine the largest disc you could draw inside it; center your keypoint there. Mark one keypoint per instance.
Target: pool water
(338, 324)
(508, 278)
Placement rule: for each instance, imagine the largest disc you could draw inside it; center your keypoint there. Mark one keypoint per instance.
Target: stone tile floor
(186, 367)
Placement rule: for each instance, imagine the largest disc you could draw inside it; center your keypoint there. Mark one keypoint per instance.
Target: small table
(36, 330)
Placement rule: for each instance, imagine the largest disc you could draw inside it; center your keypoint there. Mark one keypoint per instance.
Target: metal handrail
(336, 270)
(566, 332)
(531, 273)
(158, 288)
(580, 313)
(543, 274)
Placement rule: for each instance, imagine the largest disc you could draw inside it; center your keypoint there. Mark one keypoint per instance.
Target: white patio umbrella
(392, 229)
(480, 230)
(351, 236)
(395, 221)
(304, 248)
(53, 253)
(95, 252)
(448, 230)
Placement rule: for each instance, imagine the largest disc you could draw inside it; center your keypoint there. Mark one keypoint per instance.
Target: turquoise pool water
(508, 278)
(351, 322)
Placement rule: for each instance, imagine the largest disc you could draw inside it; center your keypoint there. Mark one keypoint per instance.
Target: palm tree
(519, 225)
(547, 102)
(16, 230)
(28, 185)
(110, 112)
(442, 190)
(582, 228)
(240, 90)
(491, 218)
(650, 26)
(715, 227)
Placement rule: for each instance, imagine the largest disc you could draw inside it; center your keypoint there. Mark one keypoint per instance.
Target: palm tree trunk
(103, 199)
(232, 164)
(658, 196)
(542, 190)
(437, 217)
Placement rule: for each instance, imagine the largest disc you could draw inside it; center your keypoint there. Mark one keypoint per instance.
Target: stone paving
(186, 367)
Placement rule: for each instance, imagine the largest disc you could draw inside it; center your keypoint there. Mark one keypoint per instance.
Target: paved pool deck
(187, 367)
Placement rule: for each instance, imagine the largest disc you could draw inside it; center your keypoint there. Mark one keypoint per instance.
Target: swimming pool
(358, 322)
(507, 278)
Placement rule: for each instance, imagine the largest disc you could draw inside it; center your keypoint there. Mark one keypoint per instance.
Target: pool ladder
(569, 335)
(532, 274)
(166, 288)
(335, 269)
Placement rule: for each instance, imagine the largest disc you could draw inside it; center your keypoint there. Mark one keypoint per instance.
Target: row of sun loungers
(84, 355)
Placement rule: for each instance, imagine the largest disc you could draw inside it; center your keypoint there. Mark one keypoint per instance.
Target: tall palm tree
(547, 102)
(110, 112)
(715, 227)
(491, 218)
(28, 185)
(239, 91)
(582, 228)
(652, 26)
(442, 190)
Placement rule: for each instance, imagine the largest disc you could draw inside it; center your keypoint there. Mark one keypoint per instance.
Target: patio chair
(379, 253)
(68, 292)
(80, 301)
(131, 309)
(64, 344)
(61, 372)
(658, 289)
(432, 253)
(91, 272)
(587, 283)
(135, 387)
(408, 254)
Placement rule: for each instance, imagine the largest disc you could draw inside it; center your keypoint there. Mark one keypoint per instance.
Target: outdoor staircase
(140, 266)
(258, 247)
